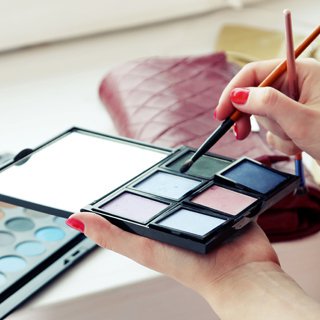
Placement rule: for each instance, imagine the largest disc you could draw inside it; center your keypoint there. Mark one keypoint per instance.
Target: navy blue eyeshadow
(254, 176)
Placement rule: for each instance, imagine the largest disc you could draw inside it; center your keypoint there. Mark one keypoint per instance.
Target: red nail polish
(75, 224)
(239, 95)
(235, 130)
(215, 115)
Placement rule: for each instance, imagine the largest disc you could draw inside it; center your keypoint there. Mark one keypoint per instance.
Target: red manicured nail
(215, 115)
(239, 95)
(75, 224)
(235, 130)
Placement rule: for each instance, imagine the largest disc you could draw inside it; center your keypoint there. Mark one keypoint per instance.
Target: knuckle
(102, 235)
(102, 241)
(269, 97)
(249, 68)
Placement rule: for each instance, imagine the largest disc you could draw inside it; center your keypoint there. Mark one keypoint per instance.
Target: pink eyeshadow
(131, 206)
(224, 200)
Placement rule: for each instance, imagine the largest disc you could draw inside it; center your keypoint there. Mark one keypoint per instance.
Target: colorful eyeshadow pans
(193, 210)
(27, 238)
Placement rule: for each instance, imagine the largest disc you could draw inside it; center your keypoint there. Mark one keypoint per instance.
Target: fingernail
(215, 115)
(235, 130)
(239, 95)
(75, 224)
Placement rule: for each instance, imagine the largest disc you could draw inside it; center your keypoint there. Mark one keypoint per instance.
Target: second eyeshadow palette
(198, 209)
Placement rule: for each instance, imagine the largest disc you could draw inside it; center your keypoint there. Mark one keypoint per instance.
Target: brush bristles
(186, 166)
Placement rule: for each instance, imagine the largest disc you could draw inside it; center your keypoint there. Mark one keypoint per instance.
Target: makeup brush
(293, 91)
(228, 123)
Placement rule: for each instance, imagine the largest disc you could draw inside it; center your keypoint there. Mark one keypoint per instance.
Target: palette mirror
(74, 169)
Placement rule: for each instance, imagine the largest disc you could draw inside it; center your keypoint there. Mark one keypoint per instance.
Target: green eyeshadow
(205, 167)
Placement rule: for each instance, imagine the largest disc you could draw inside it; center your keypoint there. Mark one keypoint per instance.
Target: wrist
(259, 290)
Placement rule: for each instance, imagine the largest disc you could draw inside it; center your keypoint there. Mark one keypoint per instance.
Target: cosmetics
(34, 248)
(140, 188)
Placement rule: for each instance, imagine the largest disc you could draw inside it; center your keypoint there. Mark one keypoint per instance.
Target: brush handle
(274, 75)
(213, 138)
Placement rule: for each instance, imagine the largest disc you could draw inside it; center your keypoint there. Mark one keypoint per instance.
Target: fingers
(108, 236)
(282, 115)
(250, 75)
(191, 269)
(242, 127)
(285, 146)
(150, 253)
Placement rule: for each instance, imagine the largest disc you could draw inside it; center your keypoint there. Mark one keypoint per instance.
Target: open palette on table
(139, 188)
(34, 248)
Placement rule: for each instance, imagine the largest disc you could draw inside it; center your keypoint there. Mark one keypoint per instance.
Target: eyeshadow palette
(139, 187)
(30, 242)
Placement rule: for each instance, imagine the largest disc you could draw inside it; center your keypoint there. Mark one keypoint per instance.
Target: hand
(199, 272)
(292, 126)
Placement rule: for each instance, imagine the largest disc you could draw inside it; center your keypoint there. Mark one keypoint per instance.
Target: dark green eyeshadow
(205, 167)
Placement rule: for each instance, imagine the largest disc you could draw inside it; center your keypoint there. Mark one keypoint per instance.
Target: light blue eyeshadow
(12, 264)
(30, 248)
(167, 185)
(50, 234)
(191, 222)
(254, 176)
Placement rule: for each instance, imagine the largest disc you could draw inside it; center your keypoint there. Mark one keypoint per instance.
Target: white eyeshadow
(191, 222)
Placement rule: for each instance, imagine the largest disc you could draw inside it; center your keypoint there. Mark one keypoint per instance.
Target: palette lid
(74, 169)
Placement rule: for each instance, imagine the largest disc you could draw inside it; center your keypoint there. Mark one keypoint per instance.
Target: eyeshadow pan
(30, 248)
(50, 234)
(12, 264)
(205, 166)
(167, 185)
(224, 200)
(6, 238)
(191, 222)
(254, 176)
(134, 207)
(20, 224)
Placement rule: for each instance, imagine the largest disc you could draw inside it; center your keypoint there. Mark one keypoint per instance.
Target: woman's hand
(199, 272)
(240, 279)
(292, 126)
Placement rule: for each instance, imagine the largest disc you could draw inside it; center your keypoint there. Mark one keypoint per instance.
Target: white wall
(28, 22)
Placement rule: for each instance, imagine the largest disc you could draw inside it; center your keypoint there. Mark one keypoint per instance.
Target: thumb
(143, 250)
(102, 232)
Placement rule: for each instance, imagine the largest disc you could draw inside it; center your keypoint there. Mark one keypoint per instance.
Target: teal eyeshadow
(254, 176)
(191, 222)
(20, 224)
(167, 185)
(205, 166)
(50, 234)
(30, 248)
